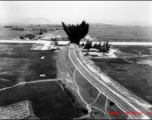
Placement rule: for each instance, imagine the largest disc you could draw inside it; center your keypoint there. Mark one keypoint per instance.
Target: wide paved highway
(124, 99)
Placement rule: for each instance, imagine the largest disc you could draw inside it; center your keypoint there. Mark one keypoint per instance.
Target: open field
(131, 69)
(145, 50)
(102, 32)
(121, 33)
(20, 64)
(49, 100)
(113, 33)
(87, 91)
(7, 34)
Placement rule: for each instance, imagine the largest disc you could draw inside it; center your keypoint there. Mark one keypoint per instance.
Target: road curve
(124, 99)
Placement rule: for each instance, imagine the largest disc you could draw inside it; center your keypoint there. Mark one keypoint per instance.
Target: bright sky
(76, 11)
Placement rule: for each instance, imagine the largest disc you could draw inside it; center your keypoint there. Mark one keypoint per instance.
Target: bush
(88, 45)
(104, 48)
(21, 37)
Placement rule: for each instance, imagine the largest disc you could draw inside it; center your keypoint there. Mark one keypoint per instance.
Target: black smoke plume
(76, 33)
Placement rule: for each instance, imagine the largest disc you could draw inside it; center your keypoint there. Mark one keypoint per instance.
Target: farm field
(116, 33)
(48, 99)
(6, 34)
(20, 64)
(131, 69)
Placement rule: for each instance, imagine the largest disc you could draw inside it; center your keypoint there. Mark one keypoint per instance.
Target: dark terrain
(20, 64)
(131, 69)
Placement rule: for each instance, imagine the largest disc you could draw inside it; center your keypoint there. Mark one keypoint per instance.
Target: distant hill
(115, 22)
(37, 20)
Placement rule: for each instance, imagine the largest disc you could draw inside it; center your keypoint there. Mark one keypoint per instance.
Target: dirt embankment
(73, 98)
(68, 84)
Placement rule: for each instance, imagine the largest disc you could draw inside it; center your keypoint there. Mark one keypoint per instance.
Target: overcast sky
(76, 11)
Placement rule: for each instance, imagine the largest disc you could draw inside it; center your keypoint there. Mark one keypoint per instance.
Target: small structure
(20, 110)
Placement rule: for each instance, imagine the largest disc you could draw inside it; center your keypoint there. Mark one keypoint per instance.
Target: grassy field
(49, 100)
(132, 72)
(87, 90)
(145, 50)
(20, 64)
(121, 33)
(6, 34)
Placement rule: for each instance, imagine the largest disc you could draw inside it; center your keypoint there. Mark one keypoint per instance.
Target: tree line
(102, 47)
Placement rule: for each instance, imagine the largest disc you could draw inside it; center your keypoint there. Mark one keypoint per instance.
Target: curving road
(124, 99)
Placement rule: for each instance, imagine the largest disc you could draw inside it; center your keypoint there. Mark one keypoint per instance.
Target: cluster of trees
(40, 30)
(8, 26)
(105, 47)
(61, 28)
(53, 29)
(29, 35)
(17, 28)
(47, 29)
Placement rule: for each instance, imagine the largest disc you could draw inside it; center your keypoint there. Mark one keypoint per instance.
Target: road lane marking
(93, 84)
(120, 88)
(114, 83)
(133, 107)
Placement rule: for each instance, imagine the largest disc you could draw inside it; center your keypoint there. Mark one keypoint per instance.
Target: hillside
(124, 23)
(37, 20)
